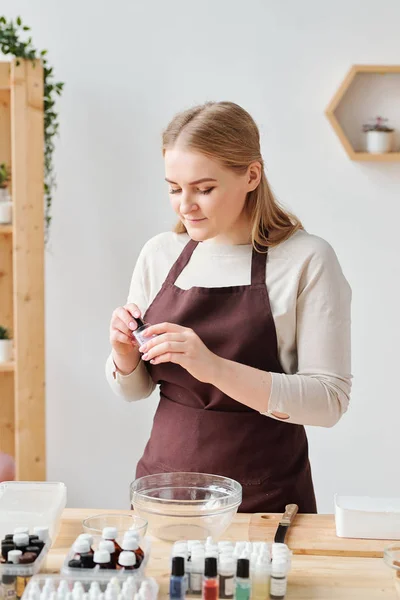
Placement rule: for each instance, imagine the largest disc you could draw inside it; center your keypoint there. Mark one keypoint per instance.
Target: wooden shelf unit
(339, 98)
(22, 394)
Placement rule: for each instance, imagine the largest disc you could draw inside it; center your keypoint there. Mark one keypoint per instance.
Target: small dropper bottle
(102, 559)
(210, 581)
(131, 543)
(110, 547)
(177, 583)
(127, 561)
(110, 533)
(243, 583)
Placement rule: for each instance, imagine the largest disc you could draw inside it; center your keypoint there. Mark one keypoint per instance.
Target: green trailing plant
(4, 175)
(378, 124)
(16, 40)
(4, 333)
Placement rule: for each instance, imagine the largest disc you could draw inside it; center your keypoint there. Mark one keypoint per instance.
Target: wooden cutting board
(314, 534)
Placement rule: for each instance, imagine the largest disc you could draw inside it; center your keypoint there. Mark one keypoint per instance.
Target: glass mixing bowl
(186, 505)
(96, 523)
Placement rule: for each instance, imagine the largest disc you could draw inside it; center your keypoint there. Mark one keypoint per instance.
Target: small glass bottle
(88, 538)
(102, 559)
(21, 541)
(130, 543)
(243, 583)
(210, 580)
(110, 547)
(278, 580)
(177, 585)
(226, 577)
(196, 568)
(260, 581)
(14, 556)
(111, 533)
(8, 588)
(127, 561)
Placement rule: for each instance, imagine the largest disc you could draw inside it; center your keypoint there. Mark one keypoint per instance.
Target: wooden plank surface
(4, 75)
(27, 160)
(311, 577)
(314, 534)
(7, 421)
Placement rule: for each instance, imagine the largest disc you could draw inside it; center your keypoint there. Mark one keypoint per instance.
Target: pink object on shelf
(7, 467)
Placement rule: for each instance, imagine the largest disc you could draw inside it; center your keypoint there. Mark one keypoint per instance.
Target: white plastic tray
(367, 517)
(30, 504)
(56, 579)
(102, 575)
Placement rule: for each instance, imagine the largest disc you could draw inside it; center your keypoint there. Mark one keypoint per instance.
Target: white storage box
(29, 504)
(367, 517)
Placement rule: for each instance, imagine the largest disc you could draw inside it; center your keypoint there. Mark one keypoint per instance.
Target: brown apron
(197, 427)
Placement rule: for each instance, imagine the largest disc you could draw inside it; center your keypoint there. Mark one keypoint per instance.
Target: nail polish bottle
(177, 580)
(210, 580)
(243, 583)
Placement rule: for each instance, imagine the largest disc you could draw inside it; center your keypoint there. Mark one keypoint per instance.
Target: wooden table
(324, 566)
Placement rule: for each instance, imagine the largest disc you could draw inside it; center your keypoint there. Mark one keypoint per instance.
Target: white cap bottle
(127, 559)
(42, 533)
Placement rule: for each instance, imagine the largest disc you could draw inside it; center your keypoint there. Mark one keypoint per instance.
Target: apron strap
(181, 262)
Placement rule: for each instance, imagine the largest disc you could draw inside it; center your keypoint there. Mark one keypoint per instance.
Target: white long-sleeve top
(310, 302)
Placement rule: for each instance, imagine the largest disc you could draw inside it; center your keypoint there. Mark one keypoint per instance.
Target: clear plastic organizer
(102, 575)
(29, 504)
(147, 587)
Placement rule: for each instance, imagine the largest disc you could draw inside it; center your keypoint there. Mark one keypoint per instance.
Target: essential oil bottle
(210, 581)
(177, 585)
(243, 583)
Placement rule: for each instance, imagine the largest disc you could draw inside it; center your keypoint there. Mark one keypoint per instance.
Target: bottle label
(195, 582)
(228, 587)
(278, 587)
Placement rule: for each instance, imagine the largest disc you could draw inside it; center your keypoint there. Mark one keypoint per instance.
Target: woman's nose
(187, 205)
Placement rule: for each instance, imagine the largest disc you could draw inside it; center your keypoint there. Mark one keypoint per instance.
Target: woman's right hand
(125, 349)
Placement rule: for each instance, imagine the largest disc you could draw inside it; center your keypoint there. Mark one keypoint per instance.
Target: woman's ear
(254, 173)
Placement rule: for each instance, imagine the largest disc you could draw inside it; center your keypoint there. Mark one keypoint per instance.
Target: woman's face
(208, 198)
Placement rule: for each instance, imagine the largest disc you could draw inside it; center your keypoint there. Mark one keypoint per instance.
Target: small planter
(379, 142)
(379, 136)
(4, 195)
(6, 350)
(6, 345)
(5, 212)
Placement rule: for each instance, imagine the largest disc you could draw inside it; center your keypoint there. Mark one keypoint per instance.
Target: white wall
(128, 67)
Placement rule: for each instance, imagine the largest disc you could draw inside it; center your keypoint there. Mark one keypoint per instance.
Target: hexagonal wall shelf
(366, 92)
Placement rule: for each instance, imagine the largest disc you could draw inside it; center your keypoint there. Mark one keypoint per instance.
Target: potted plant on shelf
(6, 345)
(5, 199)
(379, 136)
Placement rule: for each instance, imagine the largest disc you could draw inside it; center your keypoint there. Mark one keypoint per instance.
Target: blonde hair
(225, 132)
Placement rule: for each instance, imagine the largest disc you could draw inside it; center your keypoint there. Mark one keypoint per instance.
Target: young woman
(251, 316)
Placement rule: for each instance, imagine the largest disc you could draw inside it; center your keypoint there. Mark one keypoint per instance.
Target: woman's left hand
(182, 346)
